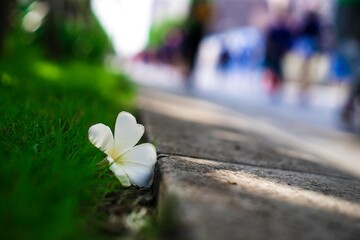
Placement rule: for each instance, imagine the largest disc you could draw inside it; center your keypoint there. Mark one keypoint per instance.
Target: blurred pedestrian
(308, 46)
(224, 59)
(348, 36)
(278, 42)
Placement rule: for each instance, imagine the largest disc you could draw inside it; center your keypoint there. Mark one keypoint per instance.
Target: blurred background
(289, 55)
(295, 58)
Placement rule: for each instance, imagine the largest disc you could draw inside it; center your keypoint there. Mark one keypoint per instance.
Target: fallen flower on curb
(131, 164)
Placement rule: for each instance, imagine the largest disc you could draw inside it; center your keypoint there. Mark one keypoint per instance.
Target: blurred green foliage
(160, 31)
(84, 41)
(64, 29)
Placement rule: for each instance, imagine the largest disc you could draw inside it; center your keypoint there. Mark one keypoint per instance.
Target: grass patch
(50, 185)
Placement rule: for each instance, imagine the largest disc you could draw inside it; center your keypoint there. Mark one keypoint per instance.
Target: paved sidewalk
(238, 178)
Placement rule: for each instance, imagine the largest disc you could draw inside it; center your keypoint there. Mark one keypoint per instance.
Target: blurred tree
(5, 11)
(51, 35)
(71, 30)
(64, 29)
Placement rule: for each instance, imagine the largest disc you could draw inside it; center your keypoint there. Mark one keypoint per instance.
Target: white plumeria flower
(131, 164)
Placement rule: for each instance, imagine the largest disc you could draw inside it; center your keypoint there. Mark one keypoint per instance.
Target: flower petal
(120, 174)
(101, 136)
(139, 163)
(127, 132)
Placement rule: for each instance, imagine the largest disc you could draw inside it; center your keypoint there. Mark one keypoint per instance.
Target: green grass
(50, 184)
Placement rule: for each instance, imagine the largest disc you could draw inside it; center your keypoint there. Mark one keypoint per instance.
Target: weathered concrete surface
(221, 143)
(237, 178)
(232, 201)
